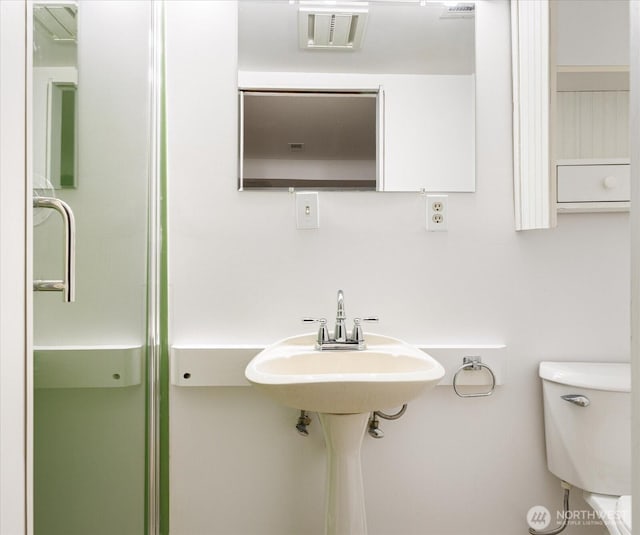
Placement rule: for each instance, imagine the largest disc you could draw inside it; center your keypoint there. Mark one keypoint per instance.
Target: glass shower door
(91, 131)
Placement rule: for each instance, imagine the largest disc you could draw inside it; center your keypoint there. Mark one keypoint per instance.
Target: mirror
(421, 54)
(55, 83)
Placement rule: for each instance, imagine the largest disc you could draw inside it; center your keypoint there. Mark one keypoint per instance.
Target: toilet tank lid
(613, 377)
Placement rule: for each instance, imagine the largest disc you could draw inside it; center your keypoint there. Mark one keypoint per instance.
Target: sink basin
(387, 374)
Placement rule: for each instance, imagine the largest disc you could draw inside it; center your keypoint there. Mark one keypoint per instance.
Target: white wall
(592, 124)
(593, 32)
(241, 273)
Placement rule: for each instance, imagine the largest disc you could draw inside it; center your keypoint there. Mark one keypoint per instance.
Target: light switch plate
(307, 210)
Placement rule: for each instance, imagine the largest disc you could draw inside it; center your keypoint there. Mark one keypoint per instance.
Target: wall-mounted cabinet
(593, 184)
(590, 105)
(570, 67)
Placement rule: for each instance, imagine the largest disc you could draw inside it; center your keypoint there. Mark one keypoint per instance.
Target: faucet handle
(323, 332)
(357, 335)
(314, 320)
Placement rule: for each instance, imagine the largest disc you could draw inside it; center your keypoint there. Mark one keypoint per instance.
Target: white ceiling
(400, 37)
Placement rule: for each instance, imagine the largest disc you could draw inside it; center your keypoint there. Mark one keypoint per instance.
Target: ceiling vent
(296, 147)
(332, 28)
(461, 10)
(58, 20)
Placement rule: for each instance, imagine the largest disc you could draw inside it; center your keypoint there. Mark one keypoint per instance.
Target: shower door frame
(15, 339)
(16, 241)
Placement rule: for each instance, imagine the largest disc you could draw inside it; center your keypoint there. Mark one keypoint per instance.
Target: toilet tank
(590, 446)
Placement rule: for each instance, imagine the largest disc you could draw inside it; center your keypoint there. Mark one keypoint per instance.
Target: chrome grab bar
(68, 284)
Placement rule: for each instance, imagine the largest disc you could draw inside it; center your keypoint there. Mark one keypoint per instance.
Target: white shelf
(594, 161)
(593, 207)
(87, 366)
(215, 366)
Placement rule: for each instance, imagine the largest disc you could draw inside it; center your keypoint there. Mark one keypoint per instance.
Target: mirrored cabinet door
(591, 104)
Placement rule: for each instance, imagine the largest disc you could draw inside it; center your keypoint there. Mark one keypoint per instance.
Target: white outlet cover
(307, 210)
(437, 213)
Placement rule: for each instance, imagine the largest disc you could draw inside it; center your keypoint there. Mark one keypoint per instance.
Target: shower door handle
(68, 284)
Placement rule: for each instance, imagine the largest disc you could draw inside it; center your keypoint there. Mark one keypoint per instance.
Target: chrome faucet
(340, 332)
(341, 339)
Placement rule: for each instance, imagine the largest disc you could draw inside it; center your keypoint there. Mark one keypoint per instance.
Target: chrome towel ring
(474, 364)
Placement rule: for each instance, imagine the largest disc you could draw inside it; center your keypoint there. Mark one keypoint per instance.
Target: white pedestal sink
(344, 387)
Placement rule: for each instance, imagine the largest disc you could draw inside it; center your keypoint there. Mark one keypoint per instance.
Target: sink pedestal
(345, 513)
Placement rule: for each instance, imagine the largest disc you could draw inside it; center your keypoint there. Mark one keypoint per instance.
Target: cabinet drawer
(593, 183)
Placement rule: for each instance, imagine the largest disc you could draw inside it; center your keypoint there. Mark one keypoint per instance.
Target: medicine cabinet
(590, 104)
(421, 55)
(570, 100)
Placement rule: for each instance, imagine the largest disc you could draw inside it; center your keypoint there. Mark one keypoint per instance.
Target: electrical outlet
(437, 214)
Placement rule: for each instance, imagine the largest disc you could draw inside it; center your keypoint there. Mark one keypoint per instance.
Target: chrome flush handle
(577, 399)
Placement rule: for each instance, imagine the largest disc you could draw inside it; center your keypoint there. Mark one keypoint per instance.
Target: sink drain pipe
(565, 517)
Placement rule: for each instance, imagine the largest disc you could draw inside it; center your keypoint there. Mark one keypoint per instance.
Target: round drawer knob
(610, 182)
